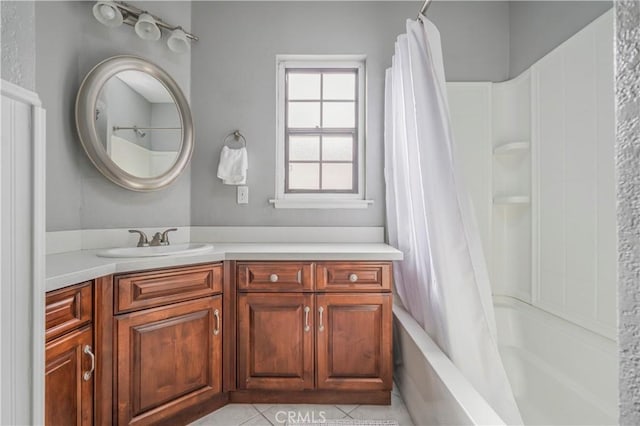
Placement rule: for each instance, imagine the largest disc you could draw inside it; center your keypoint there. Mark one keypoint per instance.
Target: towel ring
(237, 136)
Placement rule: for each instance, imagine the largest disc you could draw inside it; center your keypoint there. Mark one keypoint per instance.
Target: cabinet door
(275, 341)
(168, 359)
(68, 396)
(354, 342)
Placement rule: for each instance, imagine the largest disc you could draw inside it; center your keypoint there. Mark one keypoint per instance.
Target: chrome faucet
(142, 241)
(161, 239)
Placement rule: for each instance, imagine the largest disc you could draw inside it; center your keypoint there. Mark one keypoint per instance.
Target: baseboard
(310, 397)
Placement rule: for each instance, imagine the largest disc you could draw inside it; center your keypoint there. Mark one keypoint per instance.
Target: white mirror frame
(86, 125)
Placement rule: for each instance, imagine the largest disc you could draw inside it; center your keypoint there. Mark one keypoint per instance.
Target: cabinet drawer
(68, 309)
(274, 276)
(149, 289)
(353, 276)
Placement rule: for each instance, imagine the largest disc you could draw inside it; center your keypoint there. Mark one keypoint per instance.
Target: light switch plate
(243, 194)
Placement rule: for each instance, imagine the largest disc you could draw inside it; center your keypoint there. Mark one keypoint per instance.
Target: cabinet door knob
(87, 374)
(273, 278)
(353, 278)
(216, 315)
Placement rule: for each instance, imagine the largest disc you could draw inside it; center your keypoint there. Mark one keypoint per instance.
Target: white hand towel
(233, 166)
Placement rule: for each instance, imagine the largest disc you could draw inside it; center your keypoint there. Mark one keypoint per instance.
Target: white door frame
(22, 246)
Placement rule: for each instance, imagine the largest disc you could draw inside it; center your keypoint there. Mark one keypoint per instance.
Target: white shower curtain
(442, 281)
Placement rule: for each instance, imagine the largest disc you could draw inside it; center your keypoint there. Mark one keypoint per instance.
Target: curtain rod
(116, 128)
(424, 8)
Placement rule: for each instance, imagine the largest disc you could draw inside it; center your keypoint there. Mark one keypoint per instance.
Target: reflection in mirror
(138, 124)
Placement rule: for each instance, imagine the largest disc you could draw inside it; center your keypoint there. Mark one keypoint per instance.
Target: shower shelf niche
(511, 192)
(511, 148)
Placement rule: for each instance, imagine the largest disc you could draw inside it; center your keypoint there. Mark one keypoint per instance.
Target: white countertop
(70, 268)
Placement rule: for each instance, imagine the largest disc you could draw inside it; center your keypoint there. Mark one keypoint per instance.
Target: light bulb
(146, 27)
(178, 42)
(107, 11)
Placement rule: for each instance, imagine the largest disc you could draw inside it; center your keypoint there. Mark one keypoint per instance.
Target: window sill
(320, 204)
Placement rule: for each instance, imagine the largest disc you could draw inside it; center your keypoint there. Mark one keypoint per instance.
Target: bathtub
(432, 388)
(561, 374)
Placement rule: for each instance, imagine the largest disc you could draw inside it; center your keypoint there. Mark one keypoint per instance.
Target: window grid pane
(304, 86)
(304, 176)
(304, 148)
(295, 168)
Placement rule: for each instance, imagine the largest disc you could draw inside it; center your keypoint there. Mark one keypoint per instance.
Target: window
(320, 136)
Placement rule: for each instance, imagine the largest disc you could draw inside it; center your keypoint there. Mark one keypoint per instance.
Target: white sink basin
(176, 249)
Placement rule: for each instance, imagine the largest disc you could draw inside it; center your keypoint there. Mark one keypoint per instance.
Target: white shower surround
(563, 366)
(556, 249)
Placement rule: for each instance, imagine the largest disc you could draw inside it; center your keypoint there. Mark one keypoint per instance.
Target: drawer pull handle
(353, 278)
(273, 278)
(87, 374)
(216, 315)
(306, 319)
(321, 325)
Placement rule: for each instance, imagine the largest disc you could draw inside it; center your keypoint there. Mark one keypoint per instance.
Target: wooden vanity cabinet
(168, 350)
(294, 332)
(69, 356)
(331, 333)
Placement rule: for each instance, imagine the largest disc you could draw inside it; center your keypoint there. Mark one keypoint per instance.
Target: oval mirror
(134, 123)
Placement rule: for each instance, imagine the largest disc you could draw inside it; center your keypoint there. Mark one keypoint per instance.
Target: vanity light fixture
(147, 26)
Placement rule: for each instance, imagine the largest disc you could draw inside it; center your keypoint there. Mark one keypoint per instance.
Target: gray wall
(537, 27)
(233, 82)
(18, 43)
(628, 185)
(69, 42)
(234, 86)
(475, 38)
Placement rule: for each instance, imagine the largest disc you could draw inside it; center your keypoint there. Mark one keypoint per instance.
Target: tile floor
(268, 414)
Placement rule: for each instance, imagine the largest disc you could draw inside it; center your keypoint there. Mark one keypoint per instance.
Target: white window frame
(319, 200)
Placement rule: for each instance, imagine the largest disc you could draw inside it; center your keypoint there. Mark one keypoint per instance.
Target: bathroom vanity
(167, 344)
